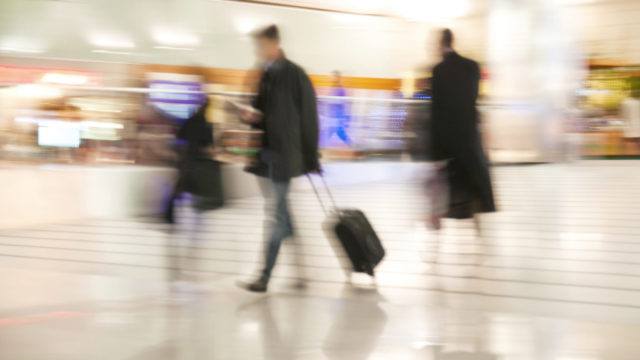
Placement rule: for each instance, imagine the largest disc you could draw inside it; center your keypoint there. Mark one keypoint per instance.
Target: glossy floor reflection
(555, 276)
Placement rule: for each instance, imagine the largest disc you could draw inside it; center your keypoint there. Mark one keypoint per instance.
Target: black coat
(287, 101)
(456, 138)
(198, 173)
(195, 135)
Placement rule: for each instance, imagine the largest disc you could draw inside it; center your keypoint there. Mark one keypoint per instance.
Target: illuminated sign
(23, 75)
(180, 99)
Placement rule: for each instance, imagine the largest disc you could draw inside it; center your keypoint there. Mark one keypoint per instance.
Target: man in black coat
(287, 114)
(455, 135)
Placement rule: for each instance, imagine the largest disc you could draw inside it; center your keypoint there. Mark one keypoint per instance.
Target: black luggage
(355, 234)
(204, 180)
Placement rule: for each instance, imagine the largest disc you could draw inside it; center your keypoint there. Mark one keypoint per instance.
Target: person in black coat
(455, 135)
(194, 142)
(287, 114)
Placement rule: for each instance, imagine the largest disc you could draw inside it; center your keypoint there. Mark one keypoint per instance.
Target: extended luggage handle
(315, 190)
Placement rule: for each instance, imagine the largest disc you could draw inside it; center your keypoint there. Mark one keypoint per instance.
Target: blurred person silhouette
(456, 144)
(287, 115)
(338, 110)
(199, 175)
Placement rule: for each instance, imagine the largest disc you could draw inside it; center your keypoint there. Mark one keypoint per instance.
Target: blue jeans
(280, 226)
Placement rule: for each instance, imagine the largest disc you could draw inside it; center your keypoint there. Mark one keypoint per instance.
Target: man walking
(455, 135)
(288, 117)
(339, 111)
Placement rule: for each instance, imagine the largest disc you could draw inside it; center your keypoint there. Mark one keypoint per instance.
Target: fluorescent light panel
(174, 38)
(111, 41)
(112, 52)
(161, 47)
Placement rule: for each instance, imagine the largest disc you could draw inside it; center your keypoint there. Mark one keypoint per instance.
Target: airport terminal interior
(95, 97)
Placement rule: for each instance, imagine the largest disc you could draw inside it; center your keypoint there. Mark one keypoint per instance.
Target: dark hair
(446, 38)
(270, 32)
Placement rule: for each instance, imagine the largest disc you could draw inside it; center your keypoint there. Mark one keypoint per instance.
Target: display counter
(42, 194)
(39, 194)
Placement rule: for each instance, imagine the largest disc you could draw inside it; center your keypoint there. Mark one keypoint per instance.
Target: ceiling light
(20, 46)
(170, 37)
(102, 51)
(173, 48)
(20, 50)
(245, 25)
(109, 41)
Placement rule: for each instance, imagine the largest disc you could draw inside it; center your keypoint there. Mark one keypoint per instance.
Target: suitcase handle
(315, 190)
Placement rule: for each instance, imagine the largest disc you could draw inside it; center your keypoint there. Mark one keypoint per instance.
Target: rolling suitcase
(355, 235)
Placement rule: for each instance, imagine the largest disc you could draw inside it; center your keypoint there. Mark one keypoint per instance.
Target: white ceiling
(204, 32)
(422, 10)
(213, 32)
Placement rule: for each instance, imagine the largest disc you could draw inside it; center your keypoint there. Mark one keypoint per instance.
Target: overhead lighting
(64, 79)
(112, 52)
(245, 25)
(109, 41)
(172, 37)
(16, 45)
(12, 49)
(173, 48)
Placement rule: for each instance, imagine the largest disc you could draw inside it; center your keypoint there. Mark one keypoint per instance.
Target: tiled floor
(555, 276)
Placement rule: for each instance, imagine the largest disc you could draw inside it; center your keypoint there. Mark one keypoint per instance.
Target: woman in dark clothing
(195, 166)
(455, 135)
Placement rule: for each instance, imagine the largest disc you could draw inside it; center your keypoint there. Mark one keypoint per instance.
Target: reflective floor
(555, 275)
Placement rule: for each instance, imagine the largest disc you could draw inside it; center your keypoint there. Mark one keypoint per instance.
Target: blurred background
(108, 82)
(87, 82)
(92, 92)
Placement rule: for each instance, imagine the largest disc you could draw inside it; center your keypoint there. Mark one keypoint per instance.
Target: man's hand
(247, 113)
(250, 117)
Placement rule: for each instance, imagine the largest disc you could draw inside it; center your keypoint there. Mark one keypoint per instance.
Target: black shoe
(259, 285)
